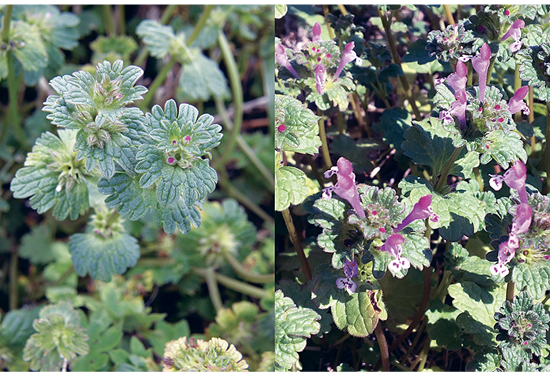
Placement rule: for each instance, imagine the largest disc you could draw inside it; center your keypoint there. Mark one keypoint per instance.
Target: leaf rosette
(53, 177)
(96, 107)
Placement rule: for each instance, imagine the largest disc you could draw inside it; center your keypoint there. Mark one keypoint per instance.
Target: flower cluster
(454, 42)
(515, 178)
(319, 56)
(487, 110)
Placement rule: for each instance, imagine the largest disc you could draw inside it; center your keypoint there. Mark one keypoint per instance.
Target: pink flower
(394, 246)
(350, 270)
(515, 32)
(281, 58)
(458, 79)
(499, 269)
(458, 108)
(516, 103)
(345, 187)
(515, 178)
(317, 32)
(421, 210)
(348, 56)
(522, 221)
(481, 65)
(320, 78)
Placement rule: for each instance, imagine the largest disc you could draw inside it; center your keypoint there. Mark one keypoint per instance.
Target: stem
(324, 144)
(424, 354)
(330, 29)
(166, 15)
(531, 118)
(297, 243)
(213, 291)
(477, 174)
(420, 314)
(159, 80)
(245, 273)
(233, 192)
(415, 341)
(443, 178)
(243, 145)
(121, 20)
(109, 20)
(358, 115)
(65, 365)
(384, 354)
(343, 9)
(316, 172)
(13, 297)
(14, 85)
(449, 14)
(237, 89)
(547, 149)
(200, 25)
(510, 287)
(517, 85)
(238, 286)
(490, 70)
(340, 122)
(6, 22)
(386, 22)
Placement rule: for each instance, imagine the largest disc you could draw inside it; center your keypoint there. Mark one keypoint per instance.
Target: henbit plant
(117, 169)
(147, 162)
(401, 243)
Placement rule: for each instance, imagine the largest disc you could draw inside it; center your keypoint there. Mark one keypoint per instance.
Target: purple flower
(515, 32)
(281, 58)
(317, 32)
(458, 79)
(345, 187)
(458, 108)
(481, 65)
(348, 56)
(516, 103)
(522, 221)
(346, 283)
(421, 210)
(394, 246)
(350, 270)
(320, 78)
(515, 178)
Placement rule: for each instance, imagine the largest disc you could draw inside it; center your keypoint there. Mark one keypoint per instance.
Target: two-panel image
(274, 188)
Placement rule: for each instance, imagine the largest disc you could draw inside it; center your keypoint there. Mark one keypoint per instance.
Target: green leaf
(402, 296)
(484, 361)
(53, 178)
(104, 337)
(290, 187)
(460, 212)
(416, 52)
(302, 129)
(292, 328)
(533, 278)
(35, 246)
(103, 257)
(467, 268)
(393, 124)
(125, 194)
(478, 306)
(157, 37)
(442, 326)
(504, 148)
(32, 52)
(357, 152)
(165, 332)
(360, 312)
(16, 327)
(429, 144)
(59, 337)
(280, 11)
(202, 79)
